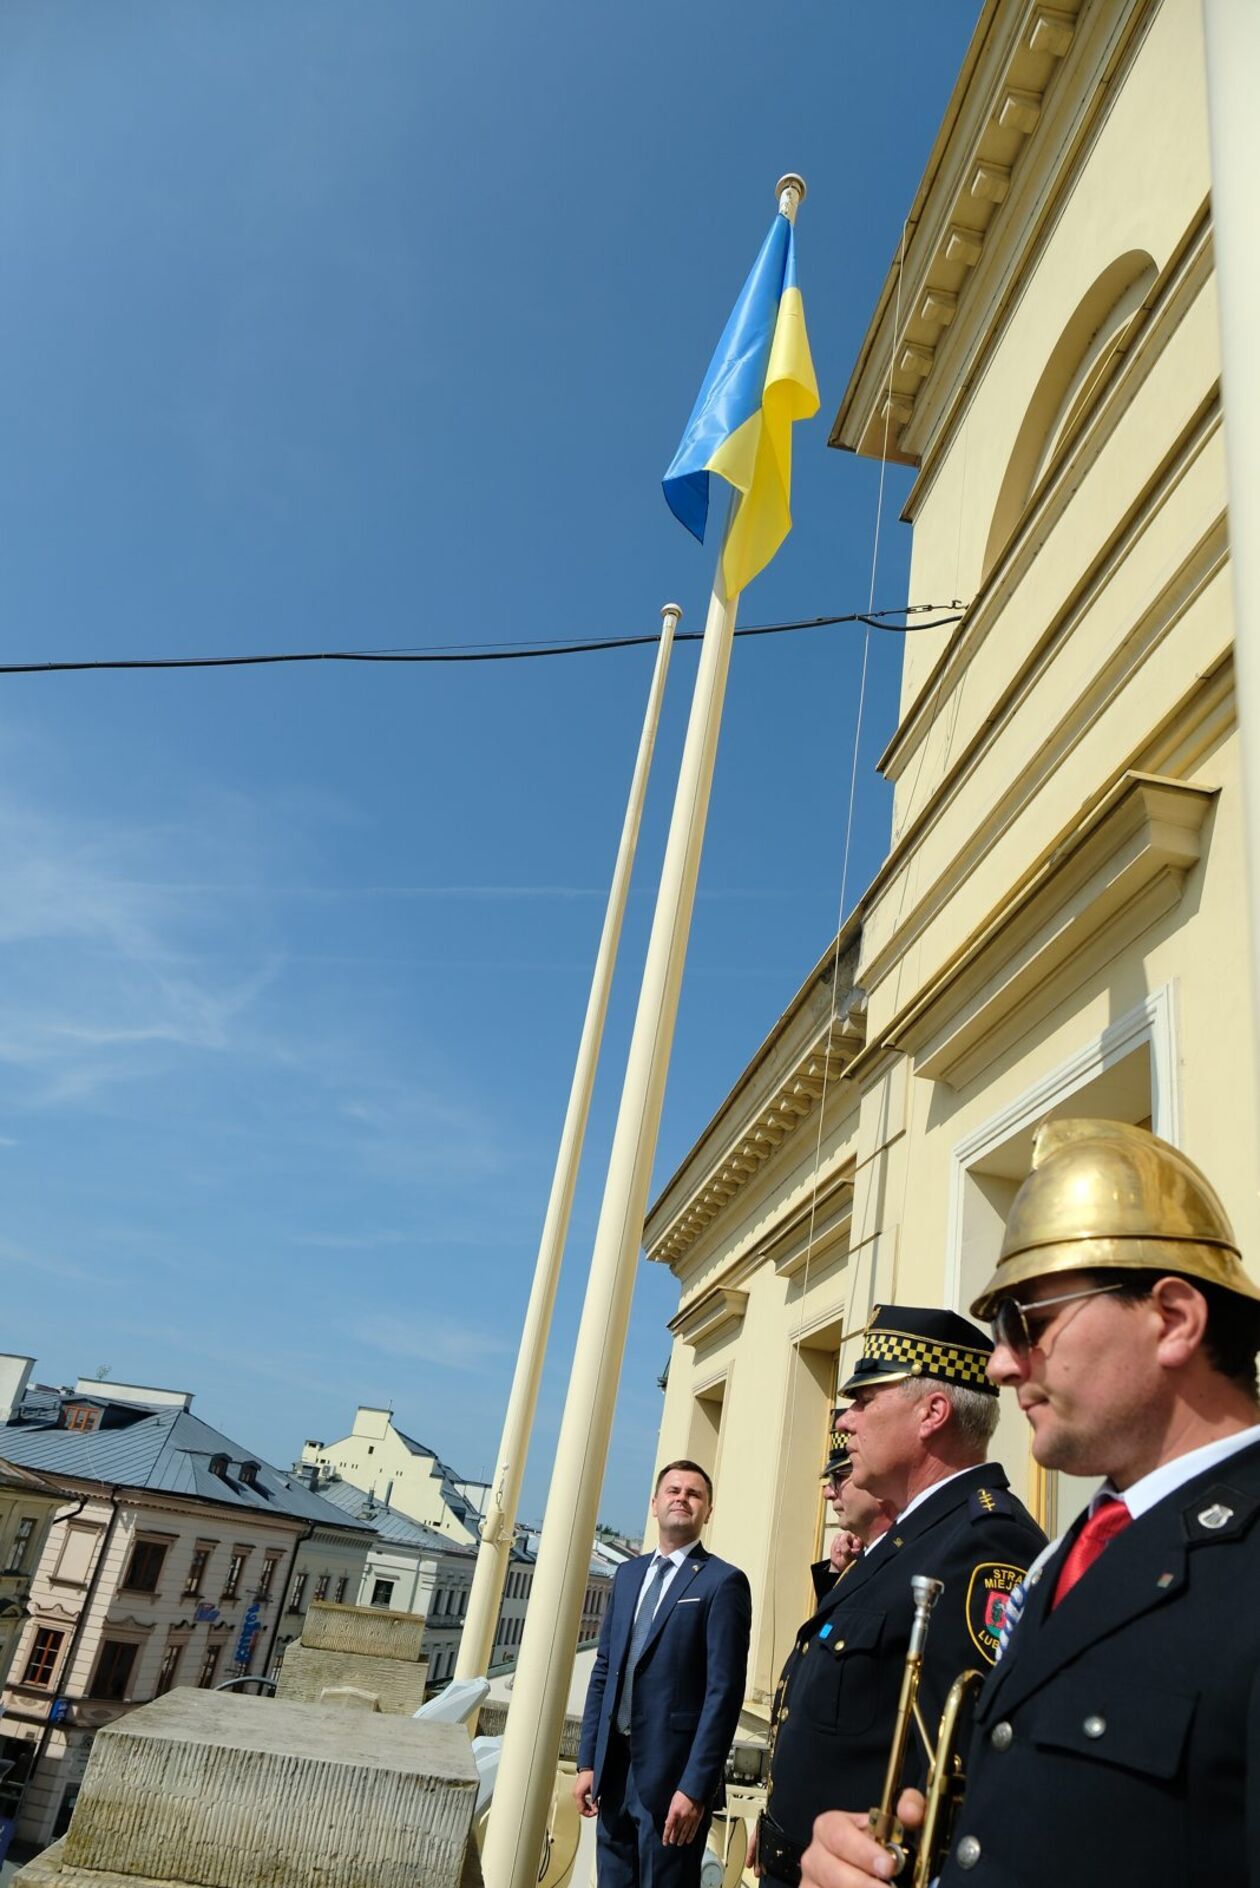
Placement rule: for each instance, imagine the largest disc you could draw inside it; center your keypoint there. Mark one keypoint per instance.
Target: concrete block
(222, 1791)
(351, 1696)
(370, 1631)
(306, 1673)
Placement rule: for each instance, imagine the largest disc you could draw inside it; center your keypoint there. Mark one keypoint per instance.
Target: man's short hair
(695, 1468)
(975, 1413)
(1231, 1338)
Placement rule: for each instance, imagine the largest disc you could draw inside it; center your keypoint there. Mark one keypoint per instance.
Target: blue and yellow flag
(759, 382)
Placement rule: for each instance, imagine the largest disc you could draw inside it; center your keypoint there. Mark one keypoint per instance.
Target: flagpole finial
(673, 609)
(790, 191)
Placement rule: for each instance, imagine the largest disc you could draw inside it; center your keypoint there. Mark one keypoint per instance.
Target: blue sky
(375, 325)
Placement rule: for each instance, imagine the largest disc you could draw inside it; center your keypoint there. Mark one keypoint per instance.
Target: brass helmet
(1109, 1197)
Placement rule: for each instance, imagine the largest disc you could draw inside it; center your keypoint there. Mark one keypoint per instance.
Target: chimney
(15, 1374)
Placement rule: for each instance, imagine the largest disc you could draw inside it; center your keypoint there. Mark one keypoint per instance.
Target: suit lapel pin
(695, 1566)
(1165, 1579)
(1216, 1516)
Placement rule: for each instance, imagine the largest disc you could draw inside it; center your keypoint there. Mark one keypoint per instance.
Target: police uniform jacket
(1118, 1739)
(837, 1699)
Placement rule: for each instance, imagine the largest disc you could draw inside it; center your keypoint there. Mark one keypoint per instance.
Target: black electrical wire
(488, 652)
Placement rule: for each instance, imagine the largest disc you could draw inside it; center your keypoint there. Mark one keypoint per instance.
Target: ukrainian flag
(759, 382)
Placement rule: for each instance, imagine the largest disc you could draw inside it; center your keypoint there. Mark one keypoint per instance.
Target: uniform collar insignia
(1216, 1516)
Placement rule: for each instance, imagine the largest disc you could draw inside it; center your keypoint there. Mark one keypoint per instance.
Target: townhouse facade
(169, 1562)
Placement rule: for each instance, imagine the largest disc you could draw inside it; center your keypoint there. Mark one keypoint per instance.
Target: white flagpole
(477, 1639)
(1232, 36)
(527, 1767)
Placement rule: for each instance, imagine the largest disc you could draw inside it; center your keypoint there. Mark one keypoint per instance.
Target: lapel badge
(1165, 1579)
(1216, 1516)
(695, 1566)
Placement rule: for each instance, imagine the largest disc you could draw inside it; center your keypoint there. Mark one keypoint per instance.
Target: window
(85, 1417)
(197, 1571)
(144, 1567)
(463, 1601)
(78, 1550)
(113, 1669)
(268, 1576)
(170, 1665)
(209, 1665)
(43, 1658)
(321, 1586)
(382, 1592)
(21, 1544)
(342, 1584)
(298, 1594)
(236, 1567)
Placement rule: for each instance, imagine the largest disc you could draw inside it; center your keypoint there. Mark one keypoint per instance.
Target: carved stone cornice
(817, 1069)
(718, 1314)
(1101, 884)
(972, 201)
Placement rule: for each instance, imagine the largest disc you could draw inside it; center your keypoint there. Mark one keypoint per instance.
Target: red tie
(1102, 1526)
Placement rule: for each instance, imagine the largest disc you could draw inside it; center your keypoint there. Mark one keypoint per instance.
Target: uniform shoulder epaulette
(987, 1501)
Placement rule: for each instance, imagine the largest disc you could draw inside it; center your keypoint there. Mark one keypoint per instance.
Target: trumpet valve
(890, 1834)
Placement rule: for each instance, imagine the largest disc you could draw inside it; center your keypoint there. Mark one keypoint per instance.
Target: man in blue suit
(664, 1697)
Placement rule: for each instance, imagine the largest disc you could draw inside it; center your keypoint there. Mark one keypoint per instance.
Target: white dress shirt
(675, 1560)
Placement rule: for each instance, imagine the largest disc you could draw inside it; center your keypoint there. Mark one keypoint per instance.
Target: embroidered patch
(988, 1597)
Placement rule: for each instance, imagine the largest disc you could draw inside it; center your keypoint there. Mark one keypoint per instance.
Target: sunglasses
(1010, 1324)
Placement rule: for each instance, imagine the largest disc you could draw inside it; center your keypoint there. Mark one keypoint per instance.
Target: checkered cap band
(954, 1363)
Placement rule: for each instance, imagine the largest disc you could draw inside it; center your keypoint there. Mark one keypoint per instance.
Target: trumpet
(945, 1779)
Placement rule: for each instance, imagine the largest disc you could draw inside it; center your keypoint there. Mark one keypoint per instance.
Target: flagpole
(527, 1767)
(477, 1639)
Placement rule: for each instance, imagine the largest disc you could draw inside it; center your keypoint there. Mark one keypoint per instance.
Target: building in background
(168, 1562)
(1060, 926)
(409, 1569)
(381, 1459)
(28, 1505)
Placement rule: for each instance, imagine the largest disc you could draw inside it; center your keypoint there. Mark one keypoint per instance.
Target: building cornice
(1116, 868)
(1035, 75)
(736, 1155)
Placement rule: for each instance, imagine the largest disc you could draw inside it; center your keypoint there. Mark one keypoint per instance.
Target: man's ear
(1183, 1316)
(935, 1410)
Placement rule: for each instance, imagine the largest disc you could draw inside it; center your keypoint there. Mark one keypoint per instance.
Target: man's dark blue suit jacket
(688, 1685)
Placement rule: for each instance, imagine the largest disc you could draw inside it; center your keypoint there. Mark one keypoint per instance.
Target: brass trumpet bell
(1109, 1197)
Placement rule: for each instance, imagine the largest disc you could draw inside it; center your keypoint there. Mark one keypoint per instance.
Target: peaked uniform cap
(903, 1341)
(1104, 1196)
(838, 1462)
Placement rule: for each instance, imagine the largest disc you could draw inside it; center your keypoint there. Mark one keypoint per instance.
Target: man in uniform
(862, 1517)
(1119, 1737)
(918, 1428)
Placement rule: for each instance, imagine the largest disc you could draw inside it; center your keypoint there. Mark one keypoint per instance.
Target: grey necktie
(638, 1637)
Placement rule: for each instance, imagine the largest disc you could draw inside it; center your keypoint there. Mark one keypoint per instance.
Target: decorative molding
(718, 1314)
(996, 106)
(1152, 1023)
(821, 1067)
(990, 182)
(1103, 884)
(963, 245)
(1051, 31)
(1019, 111)
(811, 1233)
(938, 306)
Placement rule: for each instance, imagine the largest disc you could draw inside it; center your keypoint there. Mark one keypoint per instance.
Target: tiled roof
(387, 1521)
(167, 1449)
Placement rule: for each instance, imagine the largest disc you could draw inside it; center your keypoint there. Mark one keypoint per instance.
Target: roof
(25, 1479)
(387, 1522)
(163, 1449)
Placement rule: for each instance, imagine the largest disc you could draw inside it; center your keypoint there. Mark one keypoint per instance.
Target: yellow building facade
(1060, 925)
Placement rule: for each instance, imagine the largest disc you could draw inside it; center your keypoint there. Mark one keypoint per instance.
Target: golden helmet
(1104, 1196)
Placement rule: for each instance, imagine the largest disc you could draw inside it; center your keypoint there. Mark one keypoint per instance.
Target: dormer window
(249, 1474)
(219, 1466)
